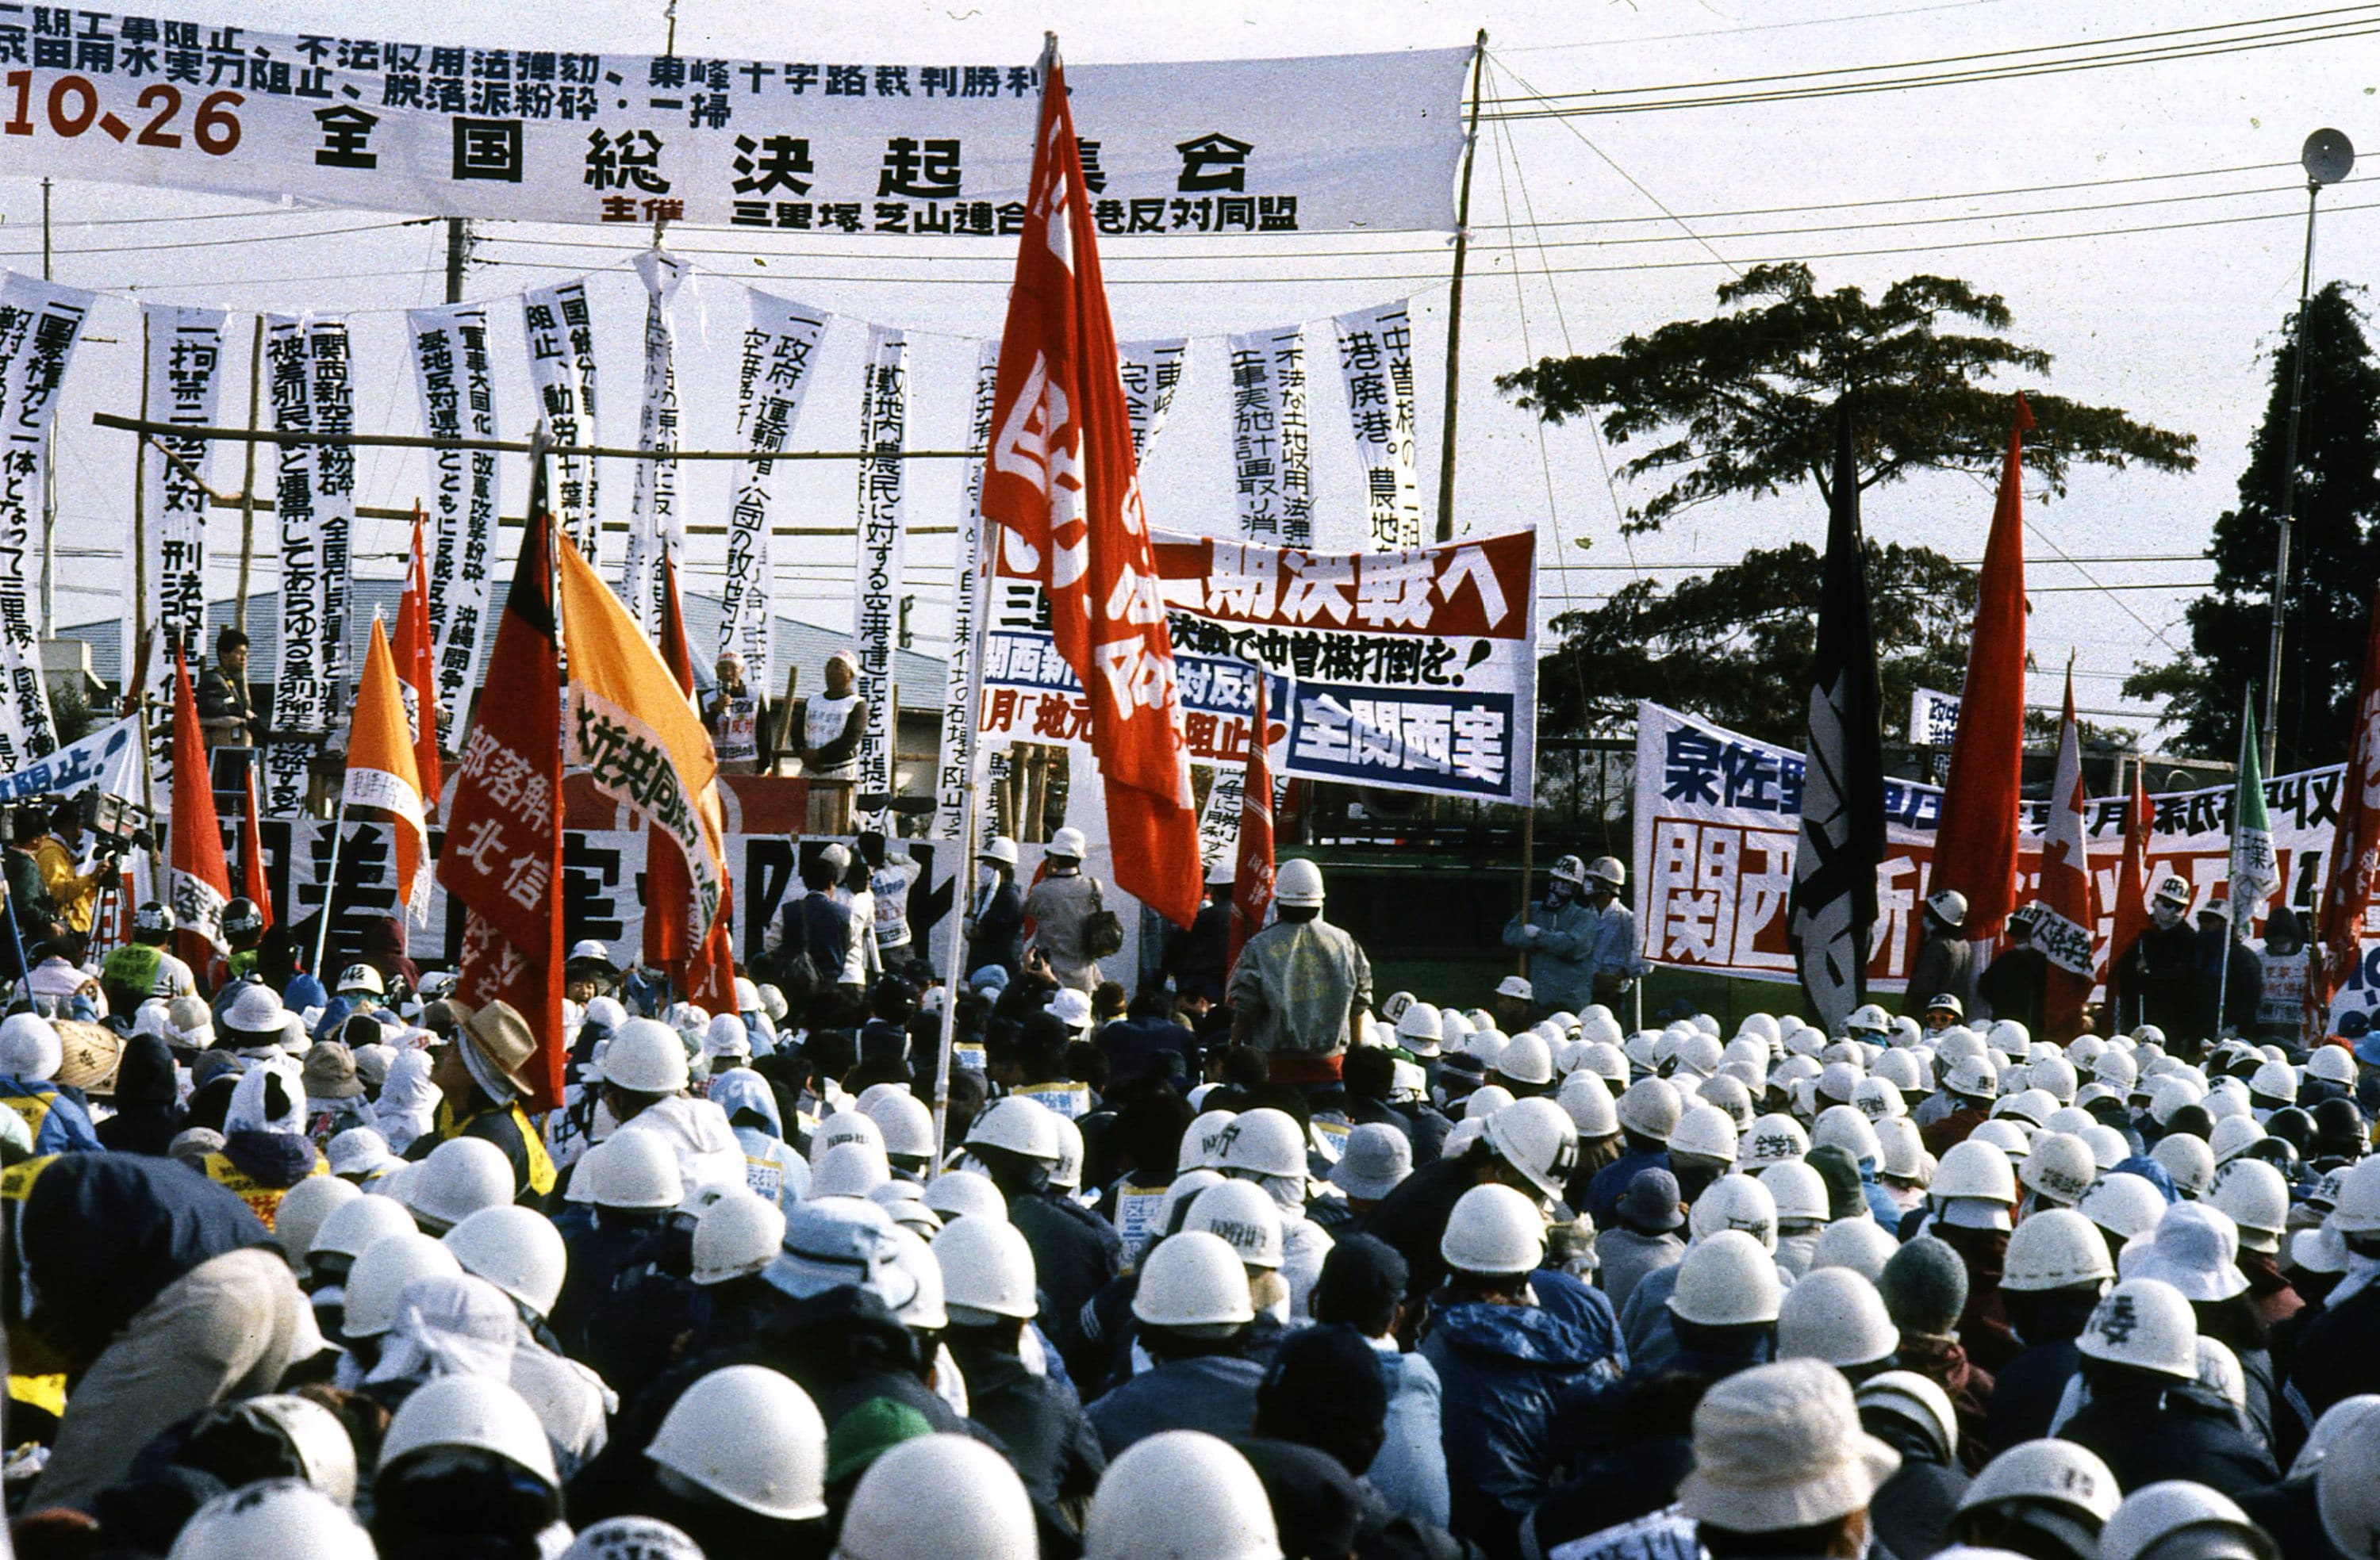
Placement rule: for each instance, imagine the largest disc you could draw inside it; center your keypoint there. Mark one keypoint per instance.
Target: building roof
(919, 677)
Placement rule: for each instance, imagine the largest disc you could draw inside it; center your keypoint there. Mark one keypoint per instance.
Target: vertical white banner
(301, 696)
(331, 382)
(876, 614)
(1269, 456)
(778, 345)
(458, 401)
(561, 337)
(969, 588)
(1375, 360)
(185, 360)
(655, 529)
(40, 323)
(1151, 371)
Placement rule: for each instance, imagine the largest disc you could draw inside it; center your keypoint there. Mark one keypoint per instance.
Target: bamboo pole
(506, 446)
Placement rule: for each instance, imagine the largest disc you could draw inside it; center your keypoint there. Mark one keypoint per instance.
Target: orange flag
(200, 881)
(381, 772)
(416, 670)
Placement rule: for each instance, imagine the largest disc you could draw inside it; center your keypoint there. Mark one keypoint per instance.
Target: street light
(2327, 157)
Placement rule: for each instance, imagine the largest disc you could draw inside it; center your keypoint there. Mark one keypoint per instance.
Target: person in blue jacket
(1558, 933)
(31, 1055)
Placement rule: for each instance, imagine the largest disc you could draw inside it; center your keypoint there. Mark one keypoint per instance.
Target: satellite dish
(2329, 156)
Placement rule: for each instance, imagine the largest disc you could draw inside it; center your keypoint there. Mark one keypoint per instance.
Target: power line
(220, 243)
(1732, 31)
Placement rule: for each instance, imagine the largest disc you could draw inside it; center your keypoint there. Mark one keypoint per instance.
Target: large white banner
(1151, 371)
(656, 529)
(329, 367)
(301, 690)
(968, 589)
(818, 146)
(185, 360)
(561, 337)
(1271, 472)
(1376, 361)
(108, 758)
(458, 401)
(772, 379)
(40, 323)
(876, 614)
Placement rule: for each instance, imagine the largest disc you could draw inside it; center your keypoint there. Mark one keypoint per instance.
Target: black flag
(1842, 793)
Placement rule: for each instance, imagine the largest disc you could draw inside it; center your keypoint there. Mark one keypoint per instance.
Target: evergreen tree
(2334, 558)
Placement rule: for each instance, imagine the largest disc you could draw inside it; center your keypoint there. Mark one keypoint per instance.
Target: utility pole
(1454, 300)
(458, 255)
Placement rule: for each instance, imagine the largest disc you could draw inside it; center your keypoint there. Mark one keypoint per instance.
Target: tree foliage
(2335, 559)
(1740, 403)
(1734, 646)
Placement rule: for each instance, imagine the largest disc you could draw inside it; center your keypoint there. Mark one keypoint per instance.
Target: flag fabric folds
(1842, 791)
(200, 882)
(2355, 847)
(1975, 851)
(417, 669)
(2255, 871)
(380, 773)
(502, 857)
(1061, 484)
(2068, 911)
(707, 973)
(1252, 867)
(252, 886)
(2131, 913)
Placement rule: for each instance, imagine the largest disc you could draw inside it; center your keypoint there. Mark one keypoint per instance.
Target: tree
(1744, 400)
(1734, 646)
(2335, 559)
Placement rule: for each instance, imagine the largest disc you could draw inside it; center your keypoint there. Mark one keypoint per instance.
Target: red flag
(2132, 877)
(1061, 484)
(502, 857)
(1975, 851)
(2355, 847)
(1252, 868)
(708, 978)
(417, 670)
(200, 883)
(2068, 911)
(251, 855)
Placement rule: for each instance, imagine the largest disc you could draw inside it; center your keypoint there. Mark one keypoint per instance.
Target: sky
(1585, 228)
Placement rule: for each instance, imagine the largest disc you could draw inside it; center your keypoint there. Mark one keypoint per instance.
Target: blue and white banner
(108, 758)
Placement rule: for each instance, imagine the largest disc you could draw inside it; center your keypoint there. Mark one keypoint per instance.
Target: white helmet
(1020, 1126)
(517, 1250)
(354, 1226)
(2124, 1204)
(1775, 1139)
(1950, 904)
(1526, 1059)
(957, 1193)
(2346, 1480)
(1537, 1138)
(921, 1275)
(646, 1057)
(1862, 1245)
(1736, 1201)
(2357, 1211)
(2188, 1162)
(935, 1495)
(750, 1438)
(2108, 1148)
(1845, 1127)
(1730, 1095)
(460, 1177)
(2059, 1168)
(377, 1281)
(1868, 1019)
(727, 1036)
(2155, 1513)
(1836, 1315)
(2233, 1136)
(1704, 1132)
(1606, 869)
(2062, 1475)
(1974, 1077)
(1494, 1229)
(1297, 885)
(276, 1520)
(851, 1168)
(1421, 1021)
(1486, 1101)
(2331, 1064)
(1974, 1168)
(632, 1171)
(908, 1124)
(1264, 1141)
(1649, 1107)
(846, 1126)
(303, 1209)
(987, 1270)
(2056, 1249)
(469, 1411)
(1878, 1099)
(1800, 1192)
(1243, 1214)
(1918, 1400)
(737, 1237)
(1726, 1280)
(1587, 1098)
(2255, 1197)
(1901, 1149)
(1179, 1494)
(2144, 1323)
(1193, 1279)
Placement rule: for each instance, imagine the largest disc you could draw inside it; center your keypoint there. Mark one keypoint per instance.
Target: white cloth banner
(778, 345)
(301, 692)
(876, 614)
(1151, 372)
(1270, 459)
(561, 336)
(185, 357)
(329, 364)
(655, 527)
(108, 758)
(967, 598)
(458, 401)
(825, 147)
(1933, 717)
(1376, 361)
(40, 323)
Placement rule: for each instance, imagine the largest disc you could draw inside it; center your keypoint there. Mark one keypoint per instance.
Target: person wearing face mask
(2156, 982)
(995, 919)
(1946, 960)
(1558, 933)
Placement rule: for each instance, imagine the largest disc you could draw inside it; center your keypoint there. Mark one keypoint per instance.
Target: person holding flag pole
(2255, 877)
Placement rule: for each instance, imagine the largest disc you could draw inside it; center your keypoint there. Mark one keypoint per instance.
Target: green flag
(2255, 875)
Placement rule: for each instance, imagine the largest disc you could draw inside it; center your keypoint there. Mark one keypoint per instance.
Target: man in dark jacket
(1039, 1419)
(482, 1077)
(1074, 1250)
(2144, 1411)
(995, 918)
(2017, 980)
(1199, 956)
(148, 1101)
(2225, 1002)
(1914, 1417)
(2157, 982)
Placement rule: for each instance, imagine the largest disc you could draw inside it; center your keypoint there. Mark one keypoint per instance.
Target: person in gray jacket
(1061, 906)
(1644, 1239)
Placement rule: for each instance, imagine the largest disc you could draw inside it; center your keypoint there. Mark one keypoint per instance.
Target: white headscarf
(248, 1110)
(407, 1100)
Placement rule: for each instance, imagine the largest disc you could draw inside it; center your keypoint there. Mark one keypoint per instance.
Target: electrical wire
(1755, 27)
(220, 243)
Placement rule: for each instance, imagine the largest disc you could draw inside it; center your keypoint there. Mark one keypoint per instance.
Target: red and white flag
(1061, 486)
(417, 669)
(2067, 912)
(705, 975)
(253, 888)
(381, 774)
(2355, 849)
(2131, 908)
(1252, 868)
(200, 882)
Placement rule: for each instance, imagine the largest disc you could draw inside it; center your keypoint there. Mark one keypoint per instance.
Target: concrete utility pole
(458, 255)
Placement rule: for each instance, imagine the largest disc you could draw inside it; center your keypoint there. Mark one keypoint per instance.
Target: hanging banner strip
(185, 357)
(1151, 372)
(655, 527)
(1376, 361)
(40, 323)
(561, 336)
(302, 696)
(953, 772)
(1269, 456)
(779, 345)
(827, 148)
(330, 382)
(875, 620)
(458, 400)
